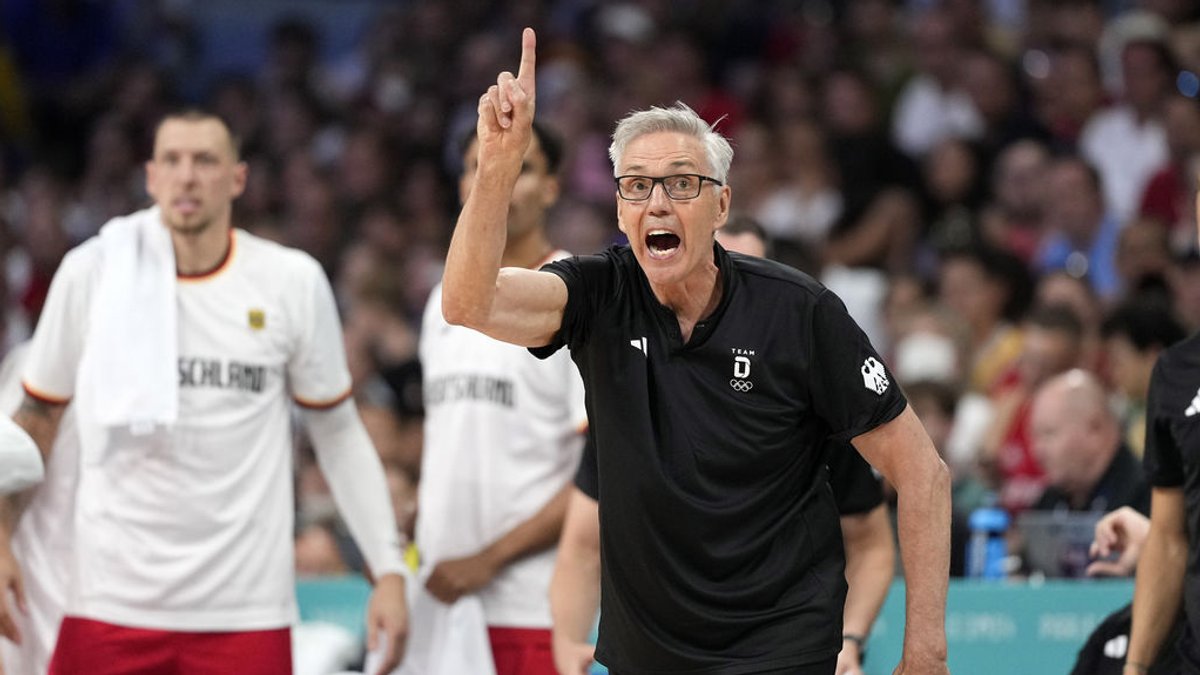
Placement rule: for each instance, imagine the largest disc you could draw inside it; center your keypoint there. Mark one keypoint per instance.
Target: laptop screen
(1056, 542)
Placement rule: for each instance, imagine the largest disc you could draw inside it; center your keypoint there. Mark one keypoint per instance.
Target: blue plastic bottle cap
(989, 519)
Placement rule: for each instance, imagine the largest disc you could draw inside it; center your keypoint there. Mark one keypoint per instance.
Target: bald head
(1075, 433)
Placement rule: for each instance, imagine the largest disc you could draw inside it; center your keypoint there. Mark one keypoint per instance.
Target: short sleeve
(852, 389)
(57, 345)
(317, 371)
(855, 487)
(1163, 460)
(589, 281)
(587, 477)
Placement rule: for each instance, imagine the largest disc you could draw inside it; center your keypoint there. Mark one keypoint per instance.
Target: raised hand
(506, 110)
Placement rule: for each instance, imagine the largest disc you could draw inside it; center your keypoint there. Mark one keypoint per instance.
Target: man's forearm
(924, 524)
(352, 468)
(870, 566)
(575, 593)
(540, 532)
(1157, 594)
(477, 246)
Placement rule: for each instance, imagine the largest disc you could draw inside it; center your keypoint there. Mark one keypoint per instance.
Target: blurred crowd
(1002, 191)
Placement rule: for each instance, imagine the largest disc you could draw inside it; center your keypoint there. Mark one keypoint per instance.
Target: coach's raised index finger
(525, 74)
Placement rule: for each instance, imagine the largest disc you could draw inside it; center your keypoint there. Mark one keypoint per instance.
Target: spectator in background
(1125, 142)
(1169, 190)
(1068, 92)
(1184, 282)
(989, 289)
(1051, 345)
(1135, 334)
(804, 202)
(1012, 221)
(318, 553)
(1060, 289)
(1077, 441)
(503, 434)
(879, 221)
(1080, 234)
(953, 195)
(991, 83)
(932, 106)
(1144, 257)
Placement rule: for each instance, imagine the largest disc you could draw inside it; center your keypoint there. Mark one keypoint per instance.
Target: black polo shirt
(1172, 456)
(1122, 484)
(720, 545)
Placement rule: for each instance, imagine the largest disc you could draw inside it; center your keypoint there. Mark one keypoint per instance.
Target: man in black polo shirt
(715, 382)
(1168, 573)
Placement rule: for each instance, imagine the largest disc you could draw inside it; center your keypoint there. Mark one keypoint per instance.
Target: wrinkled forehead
(663, 152)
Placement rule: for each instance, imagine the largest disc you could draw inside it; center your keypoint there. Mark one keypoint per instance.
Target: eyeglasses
(679, 186)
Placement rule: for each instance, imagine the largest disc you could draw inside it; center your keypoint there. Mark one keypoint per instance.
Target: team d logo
(874, 376)
(741, 374)
(257, 319)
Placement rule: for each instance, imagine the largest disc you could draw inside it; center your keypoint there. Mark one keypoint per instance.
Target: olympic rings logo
(741, 385)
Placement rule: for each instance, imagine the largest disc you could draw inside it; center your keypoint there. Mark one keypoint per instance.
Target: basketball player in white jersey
(181, 385)
(503, 433)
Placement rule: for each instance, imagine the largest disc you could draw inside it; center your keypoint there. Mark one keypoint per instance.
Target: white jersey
(44, 537)
(502, 437)
(190, 528)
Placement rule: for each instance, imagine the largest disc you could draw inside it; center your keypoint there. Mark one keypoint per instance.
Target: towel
(443, 639)
(128, 370)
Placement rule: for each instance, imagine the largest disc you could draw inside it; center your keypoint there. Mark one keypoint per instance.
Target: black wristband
(859, 641)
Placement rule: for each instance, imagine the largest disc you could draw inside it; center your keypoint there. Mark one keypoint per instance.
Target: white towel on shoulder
(129, 365)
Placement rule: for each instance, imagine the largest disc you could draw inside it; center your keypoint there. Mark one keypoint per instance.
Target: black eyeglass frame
(662, 180)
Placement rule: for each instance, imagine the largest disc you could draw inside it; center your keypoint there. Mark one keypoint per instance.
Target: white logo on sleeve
(1194, 407)
(874, 376)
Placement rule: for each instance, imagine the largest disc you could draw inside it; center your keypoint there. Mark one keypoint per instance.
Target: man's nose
(658, 201)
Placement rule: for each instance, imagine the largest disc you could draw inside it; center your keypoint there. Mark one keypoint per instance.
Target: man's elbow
(932, 477)
(459, 312)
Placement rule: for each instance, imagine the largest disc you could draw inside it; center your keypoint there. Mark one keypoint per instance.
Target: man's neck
(200, 252)
(693, 299)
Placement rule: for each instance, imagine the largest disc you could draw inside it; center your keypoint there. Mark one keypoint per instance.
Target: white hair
(679, 118)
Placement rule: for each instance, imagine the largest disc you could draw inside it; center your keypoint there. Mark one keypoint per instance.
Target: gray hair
(679, 118)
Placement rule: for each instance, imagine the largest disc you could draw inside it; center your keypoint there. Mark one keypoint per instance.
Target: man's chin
(187, 225)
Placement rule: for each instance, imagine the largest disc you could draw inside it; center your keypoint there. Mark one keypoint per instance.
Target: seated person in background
(1051, 344)
(1077, 440)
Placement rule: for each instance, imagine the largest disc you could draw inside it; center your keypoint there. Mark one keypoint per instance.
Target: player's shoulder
(275, 257)
(1180, 362)
(82, 260)
(765, 275)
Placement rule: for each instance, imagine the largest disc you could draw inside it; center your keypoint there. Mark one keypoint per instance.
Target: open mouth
(661, 244)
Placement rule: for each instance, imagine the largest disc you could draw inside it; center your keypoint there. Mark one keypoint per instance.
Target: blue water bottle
(987, 548)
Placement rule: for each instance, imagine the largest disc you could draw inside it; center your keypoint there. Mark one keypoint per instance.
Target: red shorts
(98, 648)
(522, 651)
